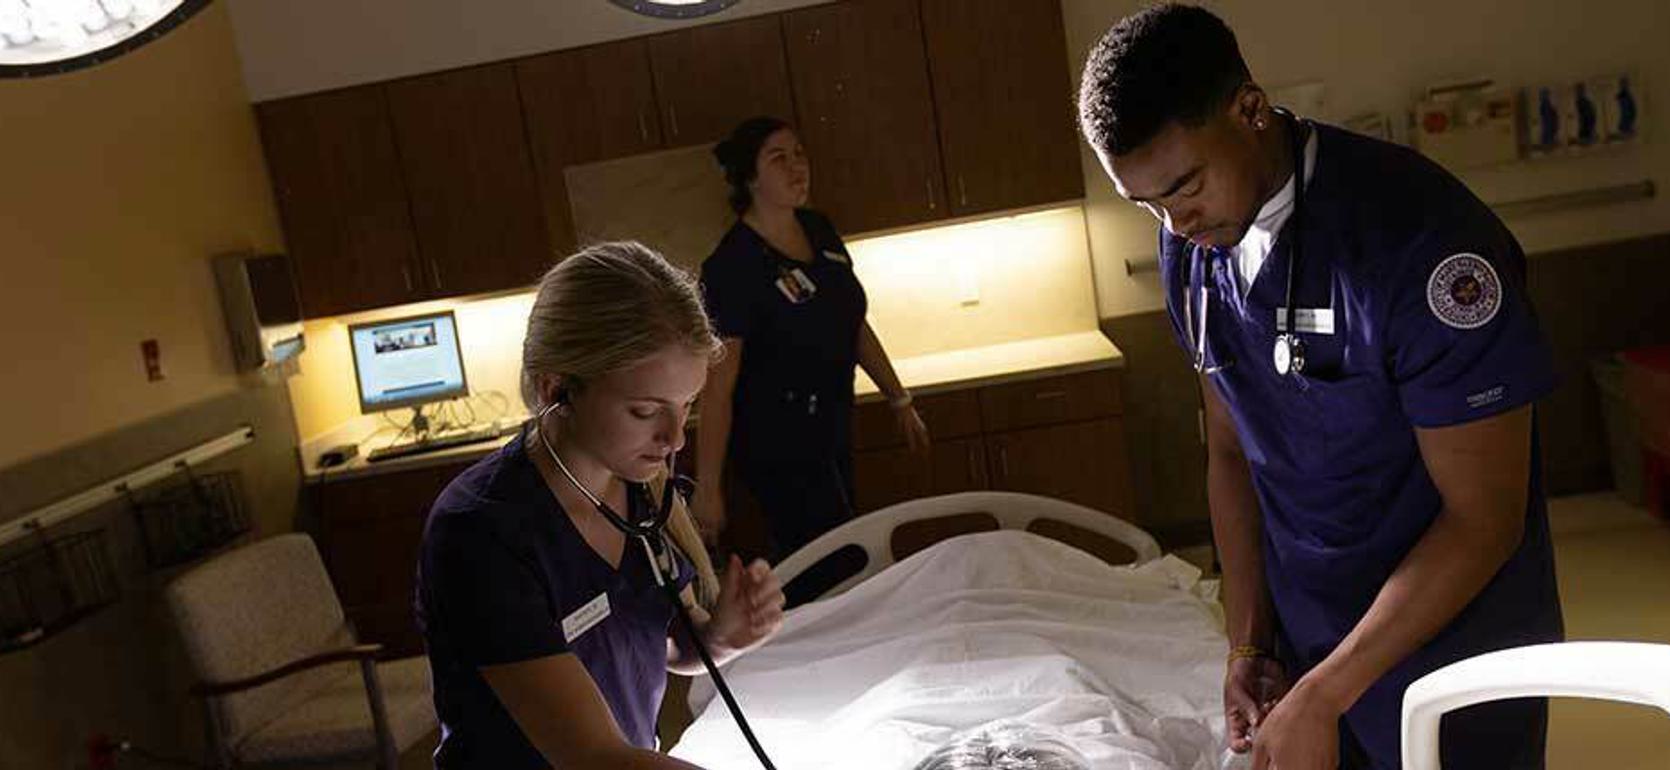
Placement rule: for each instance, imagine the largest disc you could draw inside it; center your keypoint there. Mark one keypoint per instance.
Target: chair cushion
(252, 610)
(336, 722)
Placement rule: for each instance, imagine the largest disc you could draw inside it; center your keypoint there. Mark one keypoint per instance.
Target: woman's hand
(749, 609)
(910, 424)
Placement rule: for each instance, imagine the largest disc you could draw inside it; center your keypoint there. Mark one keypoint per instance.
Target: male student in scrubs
(1373, 474)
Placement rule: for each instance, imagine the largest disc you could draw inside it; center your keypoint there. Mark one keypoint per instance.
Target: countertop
(995, 364)
(923, 375)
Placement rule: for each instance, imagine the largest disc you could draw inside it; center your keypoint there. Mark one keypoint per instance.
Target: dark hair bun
(739, 154)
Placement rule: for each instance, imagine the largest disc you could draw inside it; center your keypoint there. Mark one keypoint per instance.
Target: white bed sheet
(1126, 662)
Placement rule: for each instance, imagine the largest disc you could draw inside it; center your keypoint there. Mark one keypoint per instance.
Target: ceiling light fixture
(46, 37)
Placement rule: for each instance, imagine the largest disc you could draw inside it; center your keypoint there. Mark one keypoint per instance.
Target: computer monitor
(407, 362)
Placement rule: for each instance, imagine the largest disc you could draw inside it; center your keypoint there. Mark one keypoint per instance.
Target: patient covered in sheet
(1123, 664)
(1006, 745)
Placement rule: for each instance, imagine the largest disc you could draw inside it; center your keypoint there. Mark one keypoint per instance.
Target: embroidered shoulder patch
(1464, 291)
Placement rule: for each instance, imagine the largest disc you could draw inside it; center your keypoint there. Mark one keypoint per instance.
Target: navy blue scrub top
(1432, 327)
(501, 569)
(793, 398)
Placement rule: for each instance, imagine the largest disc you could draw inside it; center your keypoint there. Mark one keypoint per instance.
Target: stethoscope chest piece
(1289, 355)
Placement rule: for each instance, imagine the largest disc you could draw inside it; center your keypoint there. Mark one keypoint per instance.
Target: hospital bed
(916, 634)
(940, 615)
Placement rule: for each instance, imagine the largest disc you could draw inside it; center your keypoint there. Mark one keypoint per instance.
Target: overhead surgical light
(45, 37)
(675, 9)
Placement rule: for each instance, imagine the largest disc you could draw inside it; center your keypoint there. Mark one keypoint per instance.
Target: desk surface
(925, 374)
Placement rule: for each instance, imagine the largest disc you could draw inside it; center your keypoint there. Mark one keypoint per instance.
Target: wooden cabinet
(474, 200)
(709, 78)
(590, 104)
(1001, 86)
(896, 474)
(860, 76)
(581, 106)
(1049, 401)
(1081, 462)
(948, 415)
(336, 177)
(1058, 436)
(453, 183)
(371, 529)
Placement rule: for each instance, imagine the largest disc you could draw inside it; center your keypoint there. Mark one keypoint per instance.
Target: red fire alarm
(153, 360)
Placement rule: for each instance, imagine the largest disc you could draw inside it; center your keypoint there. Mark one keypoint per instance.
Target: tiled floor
(1614, 565)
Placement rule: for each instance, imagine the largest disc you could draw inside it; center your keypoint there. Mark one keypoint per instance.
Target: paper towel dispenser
(263, 311)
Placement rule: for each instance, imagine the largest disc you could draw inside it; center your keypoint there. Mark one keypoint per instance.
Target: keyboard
(434, 444)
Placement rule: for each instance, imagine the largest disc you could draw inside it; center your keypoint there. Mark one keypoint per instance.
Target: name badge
(584, 619)
(836, 256)
(1310, 320)
(794, 285)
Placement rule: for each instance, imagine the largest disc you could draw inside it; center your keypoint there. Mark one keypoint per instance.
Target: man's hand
(1301, 733)
(1252, 687)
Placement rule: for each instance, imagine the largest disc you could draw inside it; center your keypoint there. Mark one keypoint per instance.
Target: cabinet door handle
(406, 273)
(973, 463)
(962, 189)
(643, 126)
(1046, 395)
(928, 182)
(435, 272)
(672, 118)
(1003, 462)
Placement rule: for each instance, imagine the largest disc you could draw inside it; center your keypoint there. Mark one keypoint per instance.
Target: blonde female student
(549, 639)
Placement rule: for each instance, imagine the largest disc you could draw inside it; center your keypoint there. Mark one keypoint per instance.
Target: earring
(1259, 124)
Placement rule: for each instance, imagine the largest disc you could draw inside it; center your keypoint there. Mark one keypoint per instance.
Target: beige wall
(122, 671)
(1030, 274)
(117, 184)
(1375, 55)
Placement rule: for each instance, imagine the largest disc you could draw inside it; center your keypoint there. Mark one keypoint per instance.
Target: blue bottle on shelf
(1626, 109)
(1588, 118)
(1548, 120)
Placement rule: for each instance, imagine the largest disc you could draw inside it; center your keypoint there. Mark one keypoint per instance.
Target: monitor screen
(407, 361)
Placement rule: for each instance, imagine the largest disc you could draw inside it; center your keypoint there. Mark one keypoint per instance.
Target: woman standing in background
(783, 297)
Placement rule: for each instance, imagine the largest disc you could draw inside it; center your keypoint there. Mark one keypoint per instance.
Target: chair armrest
(359, 652)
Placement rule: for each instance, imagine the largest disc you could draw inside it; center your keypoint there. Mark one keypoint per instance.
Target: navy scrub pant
(1499, 735)
(801, 499)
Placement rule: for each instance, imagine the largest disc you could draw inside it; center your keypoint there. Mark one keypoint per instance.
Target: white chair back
(1631, 672)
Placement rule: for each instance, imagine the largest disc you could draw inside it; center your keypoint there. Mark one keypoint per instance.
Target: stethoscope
(649, 532)
(1289, 350)
(659, 551)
